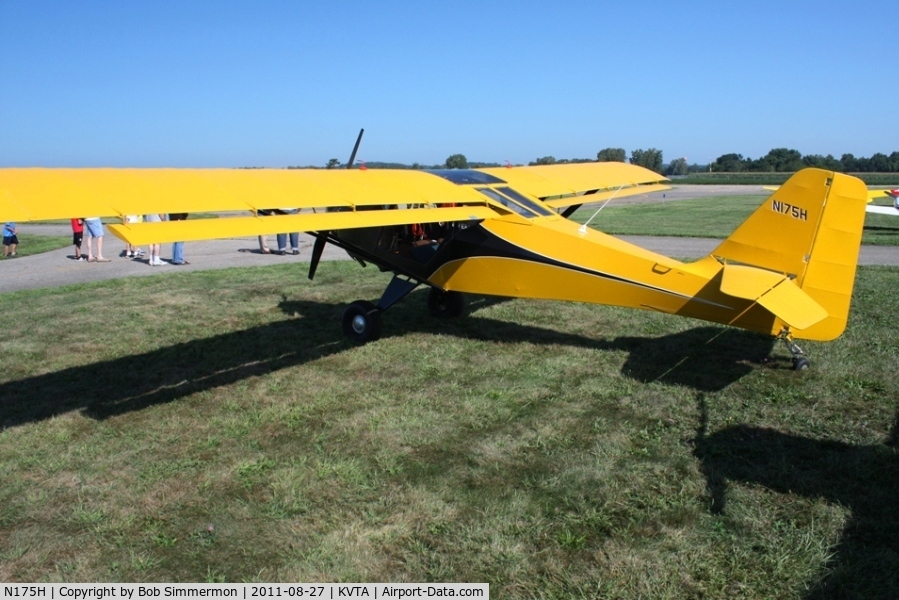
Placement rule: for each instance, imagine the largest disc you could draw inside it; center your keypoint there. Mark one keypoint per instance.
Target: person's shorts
(77, 238)
(94, 227)
(9, 241)
(154, 218)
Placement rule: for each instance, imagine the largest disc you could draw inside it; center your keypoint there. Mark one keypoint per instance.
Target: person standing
(294, 243)
(178, 247)
(10, 239)
(77, 236)
(282, 237)
(130, 250)
(154, 260)
(94, 230)
(263, 240)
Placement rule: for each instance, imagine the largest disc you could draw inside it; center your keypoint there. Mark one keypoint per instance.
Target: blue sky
(266, 83)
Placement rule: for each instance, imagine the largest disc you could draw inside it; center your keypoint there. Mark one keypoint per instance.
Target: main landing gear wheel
(362, 322)
(445, 304)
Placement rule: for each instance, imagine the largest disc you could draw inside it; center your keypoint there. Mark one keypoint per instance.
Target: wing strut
(317, 249)
(321, 238)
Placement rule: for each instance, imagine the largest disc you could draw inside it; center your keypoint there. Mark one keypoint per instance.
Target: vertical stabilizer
(810, 230)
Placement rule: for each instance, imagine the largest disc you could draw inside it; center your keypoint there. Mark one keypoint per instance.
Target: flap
(207, 229)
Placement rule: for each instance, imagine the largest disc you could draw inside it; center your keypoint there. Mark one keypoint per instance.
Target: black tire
(801, 363)
(362, 322)
(445, 305)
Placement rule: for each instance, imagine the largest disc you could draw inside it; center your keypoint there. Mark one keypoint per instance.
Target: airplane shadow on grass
(104, 389)
(864, 479)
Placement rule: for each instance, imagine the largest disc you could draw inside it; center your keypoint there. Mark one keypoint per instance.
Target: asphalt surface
(57, 268)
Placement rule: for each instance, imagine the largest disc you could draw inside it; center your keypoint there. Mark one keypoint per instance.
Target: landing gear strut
(800, 360)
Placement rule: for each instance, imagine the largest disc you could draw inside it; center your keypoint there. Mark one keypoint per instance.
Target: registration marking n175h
(789, 209)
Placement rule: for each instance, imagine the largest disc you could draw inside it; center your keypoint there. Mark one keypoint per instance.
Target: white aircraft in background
(884, 210)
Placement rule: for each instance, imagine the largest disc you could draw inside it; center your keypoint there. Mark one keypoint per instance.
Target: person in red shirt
(77, 236)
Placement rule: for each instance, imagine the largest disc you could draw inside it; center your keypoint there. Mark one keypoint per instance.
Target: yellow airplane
(787, 271)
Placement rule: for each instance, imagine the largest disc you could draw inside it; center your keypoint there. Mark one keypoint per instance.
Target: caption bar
(246, 591)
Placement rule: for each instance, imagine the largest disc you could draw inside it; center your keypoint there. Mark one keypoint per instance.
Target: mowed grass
(215, 426)
(712, 216)
(38, 244)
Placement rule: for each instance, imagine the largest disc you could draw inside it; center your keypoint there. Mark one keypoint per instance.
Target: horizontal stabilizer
(774, 291)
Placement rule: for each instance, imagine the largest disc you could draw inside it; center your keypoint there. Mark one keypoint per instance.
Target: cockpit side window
(508, 203)
(525, 201)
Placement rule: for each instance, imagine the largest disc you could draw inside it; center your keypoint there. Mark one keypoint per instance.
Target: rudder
(810, 230)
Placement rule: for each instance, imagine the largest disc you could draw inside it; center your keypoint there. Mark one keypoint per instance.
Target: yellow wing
(578, 183)
(326, 199)
(342, 199)
(41, 194)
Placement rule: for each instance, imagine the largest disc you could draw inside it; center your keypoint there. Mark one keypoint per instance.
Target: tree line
(778, 160)
(785, 160)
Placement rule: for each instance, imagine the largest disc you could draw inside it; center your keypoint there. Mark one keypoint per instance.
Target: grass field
(215, 426)
(37, 244)
(712, 216)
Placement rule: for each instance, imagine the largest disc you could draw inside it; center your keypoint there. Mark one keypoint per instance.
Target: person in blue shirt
(10, 239)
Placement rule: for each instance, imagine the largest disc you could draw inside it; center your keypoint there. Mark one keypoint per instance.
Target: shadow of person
(129, 383)
(865, 479)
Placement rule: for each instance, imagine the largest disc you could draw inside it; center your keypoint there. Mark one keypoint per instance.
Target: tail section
(809, 231)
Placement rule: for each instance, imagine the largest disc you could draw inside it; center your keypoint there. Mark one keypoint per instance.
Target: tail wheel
(801, 363)
(362, 322)
(445, 304)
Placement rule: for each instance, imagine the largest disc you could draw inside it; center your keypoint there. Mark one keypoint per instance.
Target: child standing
(10, 239)
(78, 236)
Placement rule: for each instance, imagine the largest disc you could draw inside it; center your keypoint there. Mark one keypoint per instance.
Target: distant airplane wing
(881, 194)
(568, 184)
(882, 210)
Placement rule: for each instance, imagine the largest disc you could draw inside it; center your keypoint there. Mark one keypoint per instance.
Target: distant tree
(650, 159)
(880, 163)
(894, 162)
(849, 162)
(333, 164)
(783, 160)
(545, 160)
(678, 166)
(457, 161)
(729, 163)
(611, 155)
